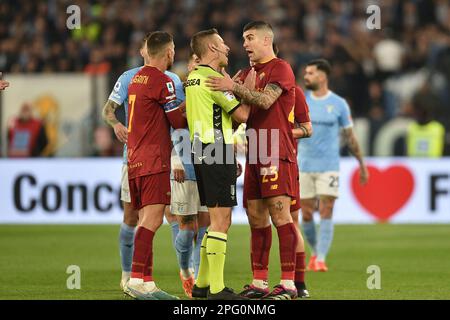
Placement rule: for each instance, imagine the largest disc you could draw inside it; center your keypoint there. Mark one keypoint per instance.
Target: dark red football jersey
(280, 116)
(151, 97)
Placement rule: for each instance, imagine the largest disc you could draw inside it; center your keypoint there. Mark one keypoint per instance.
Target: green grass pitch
(414, 262)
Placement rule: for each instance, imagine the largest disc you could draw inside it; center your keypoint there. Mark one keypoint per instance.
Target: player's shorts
(185, 199)
(216, 182)
(295, 201)
(125, 186)
(315, 184)
(151, 189)
(265, 181)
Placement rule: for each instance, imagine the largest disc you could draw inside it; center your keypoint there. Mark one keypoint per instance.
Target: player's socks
(196, 254)
(126, 245)
(143, 254)
(202, 279)
(124, 279)
(150, 286)
(309, 228)
(216, 248)
(300, 267)
(183, 249)
(261, 241)
(175, 228)
(262, 284)
(288, 239)
(135, 281)
(325, 238)
(288, 284)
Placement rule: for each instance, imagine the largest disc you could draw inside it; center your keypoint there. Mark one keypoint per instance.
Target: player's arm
(227, 101)
(303, 126)
(109, 116)
(355, 150)
(168, 100)
(177, 166)
(176, 118)
(303, 130)
(262, 99)
(240, 114)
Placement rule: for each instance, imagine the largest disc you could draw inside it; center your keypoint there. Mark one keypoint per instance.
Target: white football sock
(262, 284)
(135, 281)
(186, 273)
(150, 286)
(289, 284)
(126, 275)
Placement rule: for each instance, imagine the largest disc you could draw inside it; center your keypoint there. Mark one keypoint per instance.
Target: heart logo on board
(387, 191)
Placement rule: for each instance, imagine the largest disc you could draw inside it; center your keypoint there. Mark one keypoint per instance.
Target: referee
(210, 117)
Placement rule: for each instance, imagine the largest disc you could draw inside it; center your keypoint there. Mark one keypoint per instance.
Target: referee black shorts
(215, 170)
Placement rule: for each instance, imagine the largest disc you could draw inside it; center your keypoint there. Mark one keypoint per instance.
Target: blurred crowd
(383, 73)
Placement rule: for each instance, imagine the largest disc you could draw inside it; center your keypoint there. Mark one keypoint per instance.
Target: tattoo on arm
(108, 113)
(306, 133)
(262, 99)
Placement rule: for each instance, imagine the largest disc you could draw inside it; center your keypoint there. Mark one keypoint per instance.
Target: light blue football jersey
(119, 95)
(329, 114)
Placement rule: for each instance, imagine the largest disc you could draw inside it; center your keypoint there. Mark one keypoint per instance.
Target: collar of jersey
(206, 66)
(322, 97)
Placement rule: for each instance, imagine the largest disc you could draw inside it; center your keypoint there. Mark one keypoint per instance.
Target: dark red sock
(288, 239)
(143, 254)
(300, 267)
(260, 251)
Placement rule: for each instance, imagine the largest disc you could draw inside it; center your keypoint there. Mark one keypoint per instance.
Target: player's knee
(221, 223)
(187, 222)
(151, 223)
(203, 219)
(257, 220)
(279, 219)
(307, 215)
(326, 207)
(326, 213)
(130, 221)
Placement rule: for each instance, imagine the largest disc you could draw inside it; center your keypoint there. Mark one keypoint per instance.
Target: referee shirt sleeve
(226, 100)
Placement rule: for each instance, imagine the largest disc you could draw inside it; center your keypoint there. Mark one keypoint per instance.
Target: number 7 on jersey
(131, 100)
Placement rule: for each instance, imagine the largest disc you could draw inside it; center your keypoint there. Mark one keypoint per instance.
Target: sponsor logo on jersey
(170, 87)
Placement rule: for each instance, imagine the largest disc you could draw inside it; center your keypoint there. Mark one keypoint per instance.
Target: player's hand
(3, 83)
(121, 132)
(224, 83)
(238, 169)
(250, 80)
(182, 107)
(178, 175)
(236, 77)
(363, 175)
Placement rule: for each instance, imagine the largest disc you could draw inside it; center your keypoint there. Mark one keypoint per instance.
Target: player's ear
(212, 47)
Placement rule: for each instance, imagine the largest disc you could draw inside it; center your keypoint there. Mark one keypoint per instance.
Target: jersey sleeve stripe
(115, 100)
(234, 109)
